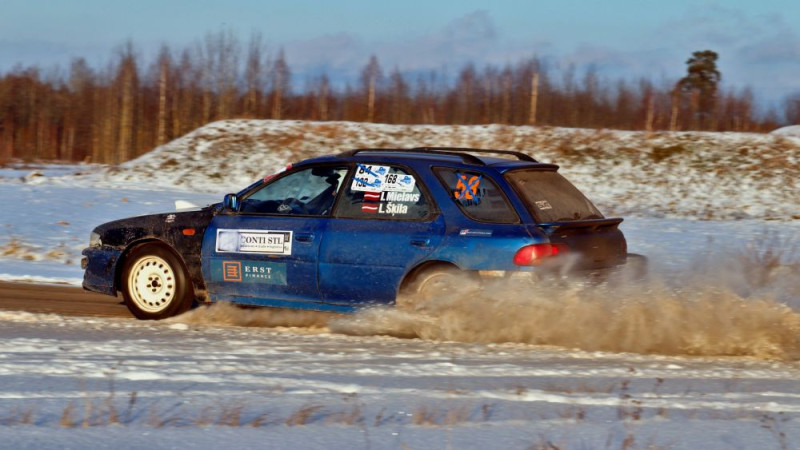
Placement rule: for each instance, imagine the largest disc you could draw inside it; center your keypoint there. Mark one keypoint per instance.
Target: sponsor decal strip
(468, 232)
(232, 271)
(267, 242)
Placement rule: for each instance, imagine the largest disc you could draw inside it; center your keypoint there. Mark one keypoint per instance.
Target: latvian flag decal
(371, 200)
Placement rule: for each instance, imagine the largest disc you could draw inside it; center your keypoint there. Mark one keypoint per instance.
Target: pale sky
(758, 41)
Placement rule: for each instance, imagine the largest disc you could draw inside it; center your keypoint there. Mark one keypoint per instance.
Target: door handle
(420, 242)
(304, 237)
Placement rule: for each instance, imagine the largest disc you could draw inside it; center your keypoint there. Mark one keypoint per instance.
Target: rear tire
(636, 266)
(155, 284)
(435, 284)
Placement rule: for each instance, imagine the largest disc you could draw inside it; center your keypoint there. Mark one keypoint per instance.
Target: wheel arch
(425, 266)
(123, 260)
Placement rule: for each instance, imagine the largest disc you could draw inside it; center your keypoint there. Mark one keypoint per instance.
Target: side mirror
(230, 202)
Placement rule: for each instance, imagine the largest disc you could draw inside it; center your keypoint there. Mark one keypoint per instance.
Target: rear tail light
(532, 255)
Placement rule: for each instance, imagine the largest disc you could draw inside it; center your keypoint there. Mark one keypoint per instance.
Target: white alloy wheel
(151, 284)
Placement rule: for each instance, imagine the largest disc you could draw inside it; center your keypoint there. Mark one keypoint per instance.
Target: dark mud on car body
(182, 231)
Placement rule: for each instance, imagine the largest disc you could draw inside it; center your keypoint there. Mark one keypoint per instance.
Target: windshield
(550, 197)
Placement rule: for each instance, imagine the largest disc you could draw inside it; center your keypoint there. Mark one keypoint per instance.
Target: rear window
(550, 197)
(477, 196)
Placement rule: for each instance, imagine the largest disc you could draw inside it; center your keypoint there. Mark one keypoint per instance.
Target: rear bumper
(633, 267)
(100, 268)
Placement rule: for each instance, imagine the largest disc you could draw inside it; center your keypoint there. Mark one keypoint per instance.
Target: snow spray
(743, 304)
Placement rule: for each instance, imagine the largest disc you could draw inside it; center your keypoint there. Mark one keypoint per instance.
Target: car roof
(447, 155)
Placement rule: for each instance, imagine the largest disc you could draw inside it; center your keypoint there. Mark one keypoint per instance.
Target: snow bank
(790, 131)
(683, 174)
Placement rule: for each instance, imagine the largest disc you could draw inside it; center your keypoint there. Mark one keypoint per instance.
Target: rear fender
(412, 275)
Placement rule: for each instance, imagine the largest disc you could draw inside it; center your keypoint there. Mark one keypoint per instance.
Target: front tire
(155, 284)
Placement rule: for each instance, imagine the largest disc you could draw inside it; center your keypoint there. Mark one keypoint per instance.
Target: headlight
(94, 240)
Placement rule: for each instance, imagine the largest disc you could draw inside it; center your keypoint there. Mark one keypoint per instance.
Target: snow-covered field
(704, 355)
(683, 174)
(110, 383)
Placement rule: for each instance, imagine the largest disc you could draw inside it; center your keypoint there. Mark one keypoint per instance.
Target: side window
(309, 192)
(477, 196)
(383, 192)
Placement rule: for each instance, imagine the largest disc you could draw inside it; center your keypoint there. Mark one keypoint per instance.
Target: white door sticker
(254, 241)
(371, 178)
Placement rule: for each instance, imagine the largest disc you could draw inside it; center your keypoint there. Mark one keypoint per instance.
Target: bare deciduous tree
(370, 77)
(114, 112)
(280, 80)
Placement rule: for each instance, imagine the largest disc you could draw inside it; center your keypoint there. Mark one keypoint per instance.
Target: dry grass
(545, 444)
(456, 416)
(101, 411)
(629, 408)
(573, 413)
(230, 416)
(379, 418)
(581, 387)
(348, 416)
(67, 419)
(303, 415)
(18, 249)
(259, 421)
(424, 416)
(486, 412)
(234, 415)
(18, 416)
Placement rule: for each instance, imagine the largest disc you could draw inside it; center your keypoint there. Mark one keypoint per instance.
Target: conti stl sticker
(254, 241)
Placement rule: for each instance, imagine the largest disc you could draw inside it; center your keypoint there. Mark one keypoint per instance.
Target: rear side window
(550, 197)
(383, 192)
(477, 196)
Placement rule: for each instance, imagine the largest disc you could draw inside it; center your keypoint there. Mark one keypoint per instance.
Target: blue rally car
(359, 228)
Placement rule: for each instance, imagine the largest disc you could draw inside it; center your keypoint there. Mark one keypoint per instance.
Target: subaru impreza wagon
(364, 227)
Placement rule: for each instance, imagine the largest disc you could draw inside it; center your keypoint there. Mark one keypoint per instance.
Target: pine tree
(700, 84)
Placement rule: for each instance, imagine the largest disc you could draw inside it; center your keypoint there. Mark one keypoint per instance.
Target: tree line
(114, 113)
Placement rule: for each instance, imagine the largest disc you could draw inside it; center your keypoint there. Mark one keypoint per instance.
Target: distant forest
(114, 113)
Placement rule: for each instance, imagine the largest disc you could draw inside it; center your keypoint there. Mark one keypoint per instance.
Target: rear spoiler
(552, 227)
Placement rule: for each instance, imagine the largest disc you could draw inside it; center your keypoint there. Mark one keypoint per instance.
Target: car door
(385, 223)
(265, 252)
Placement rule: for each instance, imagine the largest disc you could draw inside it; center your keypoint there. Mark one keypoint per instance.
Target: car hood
(119, 233)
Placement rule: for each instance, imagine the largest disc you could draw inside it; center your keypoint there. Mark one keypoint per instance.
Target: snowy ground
(704, 355)
(45, 226)
(110, 383)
